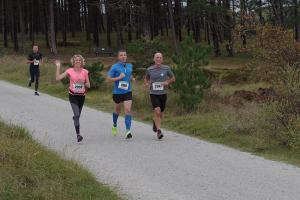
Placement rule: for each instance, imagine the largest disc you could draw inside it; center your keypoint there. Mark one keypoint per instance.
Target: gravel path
(178, 167)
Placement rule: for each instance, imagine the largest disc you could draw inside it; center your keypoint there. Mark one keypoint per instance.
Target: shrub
(275, 53)
(190, 78)
(276, 61)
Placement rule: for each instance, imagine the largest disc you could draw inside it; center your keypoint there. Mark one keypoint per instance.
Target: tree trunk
(196, 29)
(102, 27)
(22, 24)
(4, 24)
(96, 25)
(214, 29)
(177, 20)
(120, 41)
(85, 16)
(31, 21)
(14, 22)
(72, 17)
(260, 15)
(52, 42)
(278, 12)
(46, 23)
(207, 32)
(108, 24)
(229, 26)
(296, 24)
(173, 26)
(64, 18)
(129, 33)
(243, 11)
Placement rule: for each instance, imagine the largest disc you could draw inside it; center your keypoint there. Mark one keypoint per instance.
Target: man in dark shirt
(35, 60)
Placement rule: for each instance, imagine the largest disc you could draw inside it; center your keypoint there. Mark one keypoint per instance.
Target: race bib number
(124, 85)
(78, 88)
(157, 86)
(36, 62)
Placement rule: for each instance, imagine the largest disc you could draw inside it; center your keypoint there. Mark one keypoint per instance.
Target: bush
(283, 120)
(95, 75)
(276, 61)
(142, 51)
(190, 78)
(275, 53)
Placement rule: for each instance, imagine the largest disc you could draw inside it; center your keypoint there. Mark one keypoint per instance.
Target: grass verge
(28, 171)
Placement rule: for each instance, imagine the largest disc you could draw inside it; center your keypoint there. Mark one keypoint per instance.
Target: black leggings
(76, 102)
(34, 76)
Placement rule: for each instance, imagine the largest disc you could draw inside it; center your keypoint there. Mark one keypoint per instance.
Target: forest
(213, 22)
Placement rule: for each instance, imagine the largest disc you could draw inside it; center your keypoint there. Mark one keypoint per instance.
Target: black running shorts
(159, 101)
(118, 98)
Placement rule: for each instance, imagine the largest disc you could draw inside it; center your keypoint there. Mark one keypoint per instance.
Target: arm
(147, 80)
(122, 75)
(114, 79)
(171, 79)
(87, 84)
(41, 61)
(29, 60)
(132, 78)
(59, 76)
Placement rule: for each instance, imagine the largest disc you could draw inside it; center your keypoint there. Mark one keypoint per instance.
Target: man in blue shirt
(121, 74)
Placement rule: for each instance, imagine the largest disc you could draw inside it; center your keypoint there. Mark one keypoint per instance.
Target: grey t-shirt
(157, 75)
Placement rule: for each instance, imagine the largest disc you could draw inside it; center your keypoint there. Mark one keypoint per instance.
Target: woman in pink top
(79, 81)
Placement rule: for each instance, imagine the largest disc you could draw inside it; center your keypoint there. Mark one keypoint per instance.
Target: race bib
(157, 86)
(124, 85)
(78, 88)
(36, 62)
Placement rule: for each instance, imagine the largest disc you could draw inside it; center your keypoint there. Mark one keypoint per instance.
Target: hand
(166, 83)
(146, 85)
(87, 85)
(133, 79)
(57, 63)
(122, 75)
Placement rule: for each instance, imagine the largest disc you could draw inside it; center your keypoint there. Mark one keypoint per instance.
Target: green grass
(28, 171)
(214, 121)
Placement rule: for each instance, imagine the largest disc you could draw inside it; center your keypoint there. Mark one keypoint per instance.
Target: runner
(121, 74)
(158, 77)
(79, 81)
(35, 60)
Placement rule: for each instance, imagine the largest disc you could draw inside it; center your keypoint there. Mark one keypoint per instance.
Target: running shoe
(29, 83)
(79, 138)
(114, 130)
(36, 94)
(128, 134)
(159, 134)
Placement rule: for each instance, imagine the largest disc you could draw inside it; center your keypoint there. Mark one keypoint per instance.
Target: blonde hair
(81, 58)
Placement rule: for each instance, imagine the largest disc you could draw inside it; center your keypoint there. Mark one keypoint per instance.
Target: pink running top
(77, 81)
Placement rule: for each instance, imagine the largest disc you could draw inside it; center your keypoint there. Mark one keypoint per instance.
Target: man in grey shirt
(157, 78)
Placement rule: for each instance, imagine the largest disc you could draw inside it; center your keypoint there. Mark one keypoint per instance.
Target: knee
(127, 111)
(157, 112)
